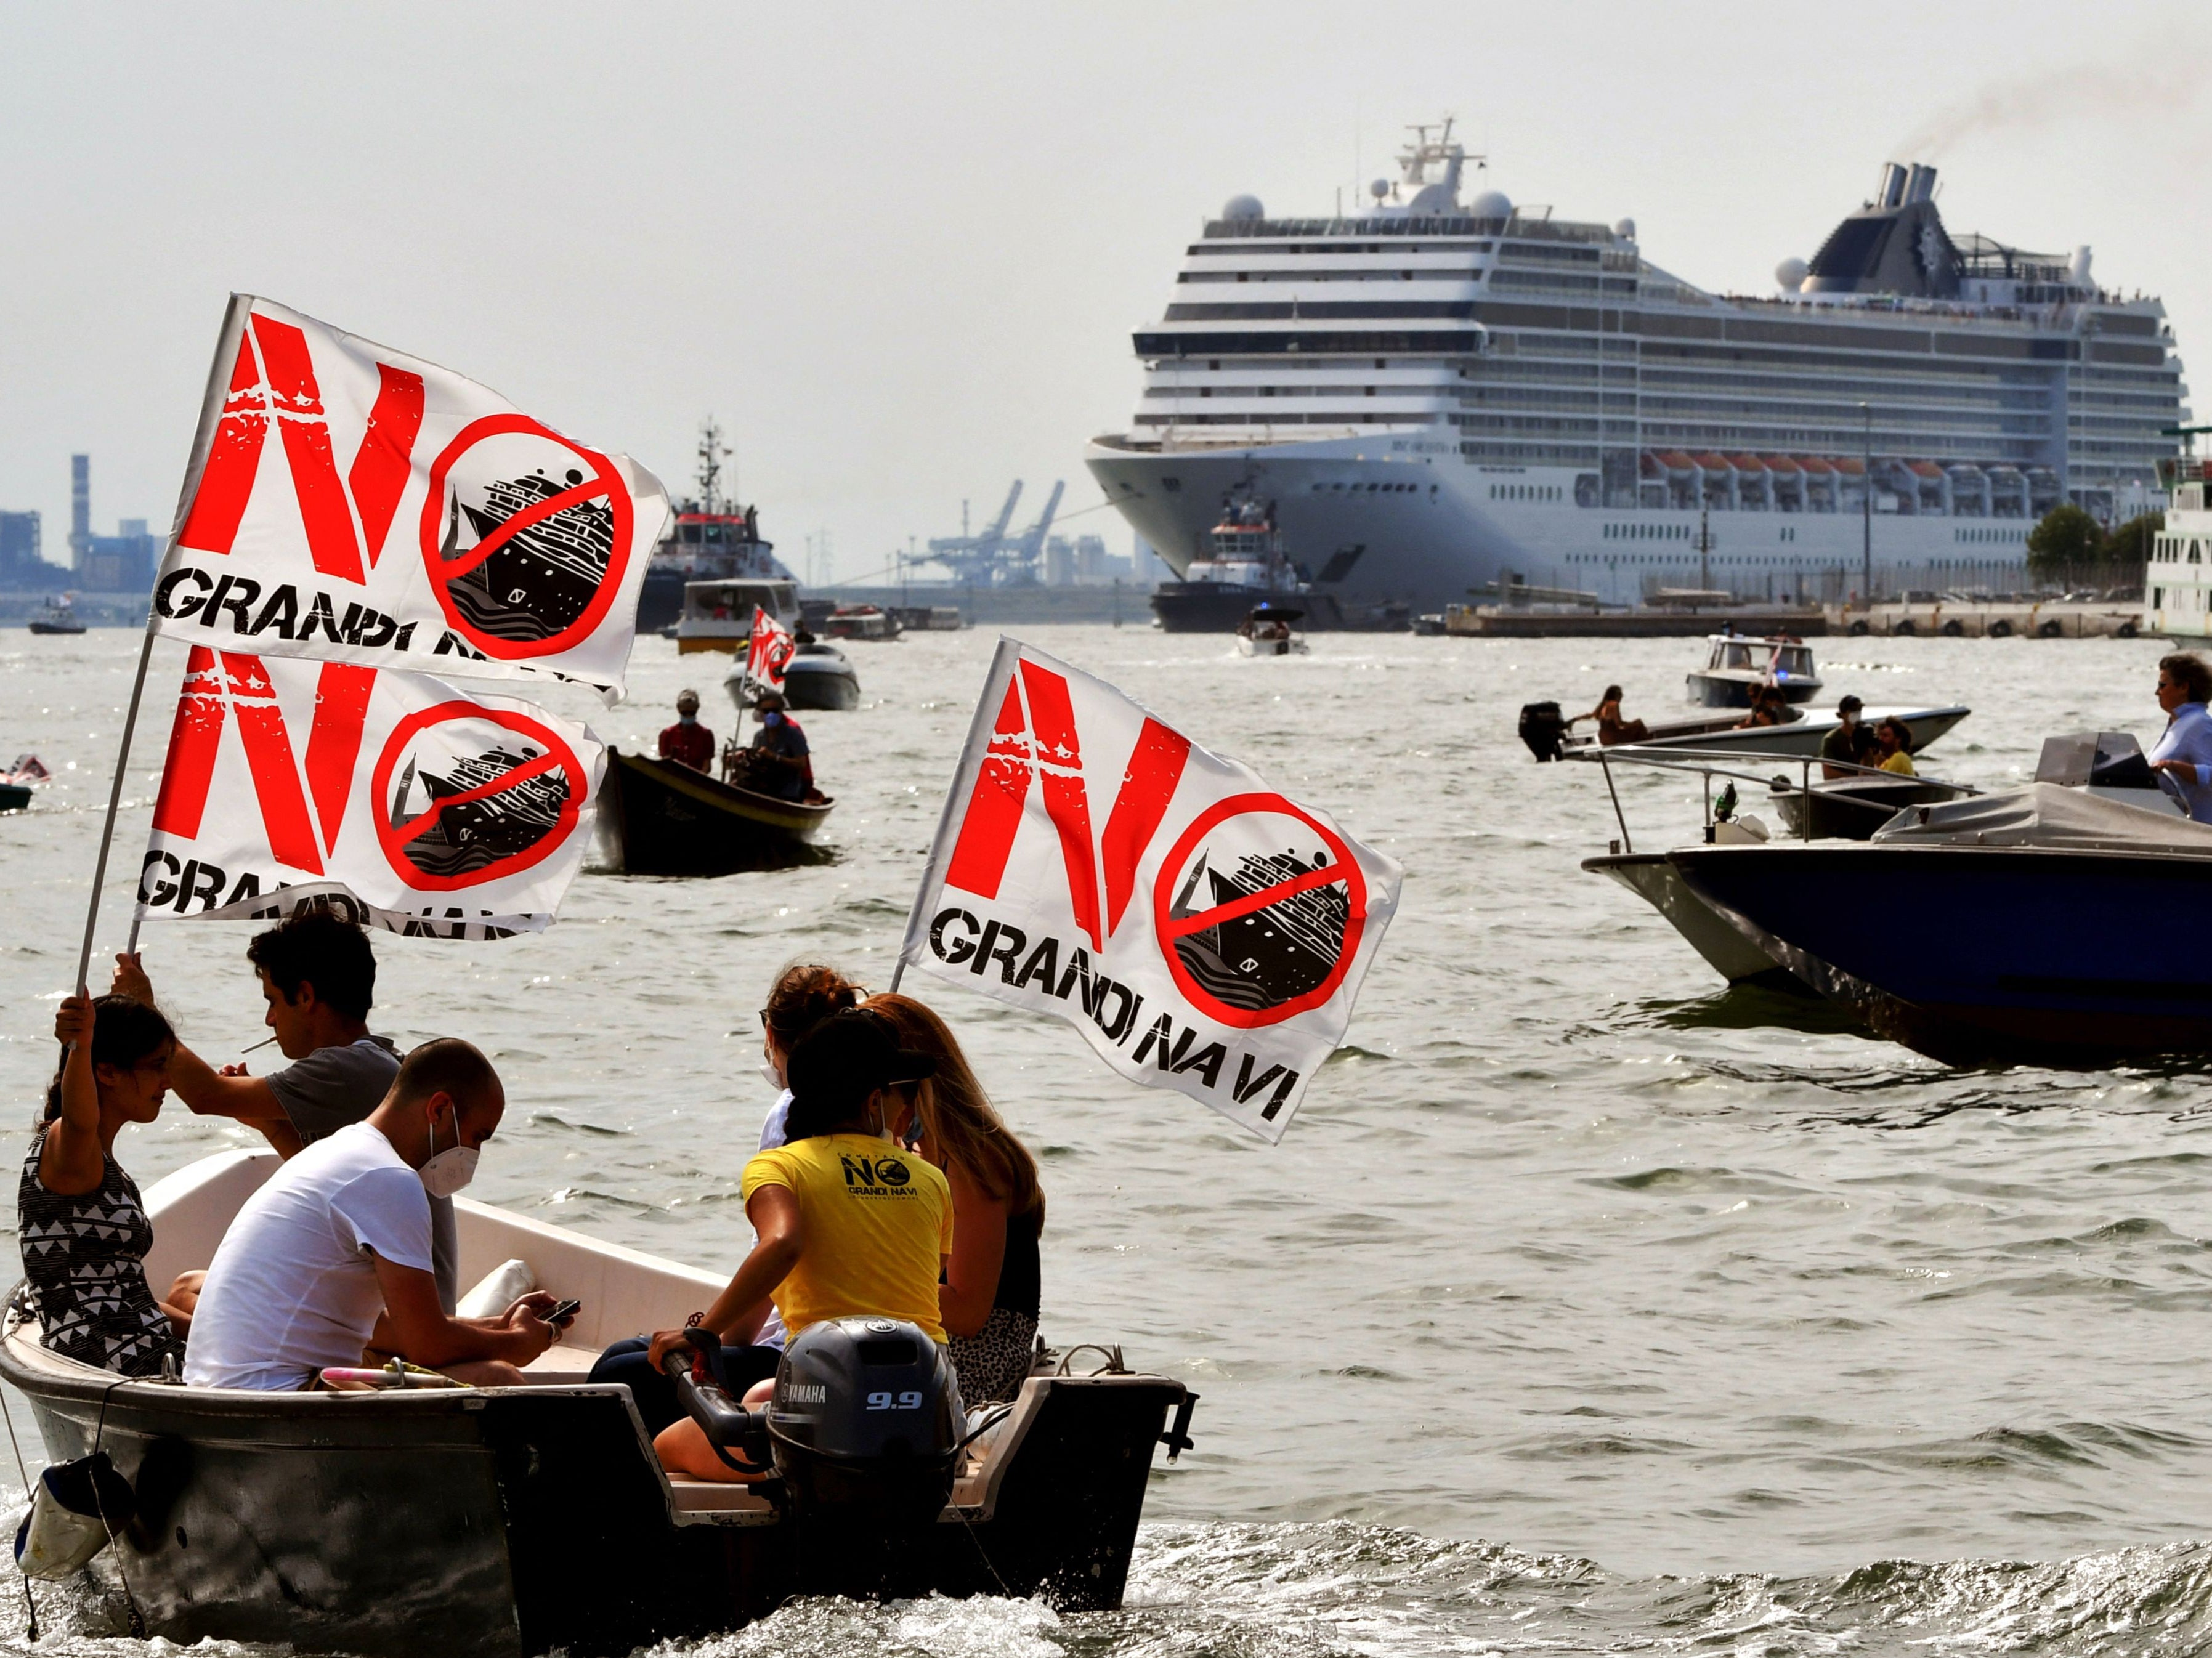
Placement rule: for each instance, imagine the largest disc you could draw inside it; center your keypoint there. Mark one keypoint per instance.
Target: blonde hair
(957, 1117)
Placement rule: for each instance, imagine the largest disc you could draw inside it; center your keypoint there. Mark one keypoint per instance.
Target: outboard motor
(864, 1428)
(1541, 729)
(862, 1432)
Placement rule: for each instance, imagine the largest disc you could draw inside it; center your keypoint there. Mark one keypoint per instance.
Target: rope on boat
(30, 1606)
(129, 1601)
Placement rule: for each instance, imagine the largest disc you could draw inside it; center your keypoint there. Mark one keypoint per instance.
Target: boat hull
(1660, 885)
(15, 797)
(1977, 955)
(504, 1523)
(498, 1523)
(661, 818)
(1798, 740)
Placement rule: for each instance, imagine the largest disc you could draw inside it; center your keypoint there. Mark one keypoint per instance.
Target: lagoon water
(1586, 1307)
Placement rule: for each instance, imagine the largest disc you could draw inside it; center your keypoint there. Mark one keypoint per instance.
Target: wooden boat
(661, 817)
(509, 1522)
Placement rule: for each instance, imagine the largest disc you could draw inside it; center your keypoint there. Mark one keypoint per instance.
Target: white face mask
(775, 1078)
(449, 1171)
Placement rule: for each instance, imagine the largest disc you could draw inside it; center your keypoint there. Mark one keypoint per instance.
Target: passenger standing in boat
(803, 995)
(83, 1232)
(687, 741)
(2183, 751)
(1611, 727)
(992, 1293)
(331, 1256)
(844, 1224)
(782, 765)
(1849, 744)
(318, 979)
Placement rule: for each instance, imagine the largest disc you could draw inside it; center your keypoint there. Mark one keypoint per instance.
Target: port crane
(995, 558)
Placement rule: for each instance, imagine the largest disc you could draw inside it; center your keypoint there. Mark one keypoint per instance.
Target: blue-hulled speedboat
(2047, 924)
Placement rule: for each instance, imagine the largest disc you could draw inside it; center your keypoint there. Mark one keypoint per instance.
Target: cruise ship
(1437, 395)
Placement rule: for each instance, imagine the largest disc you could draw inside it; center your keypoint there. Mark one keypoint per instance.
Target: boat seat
(560, 1365)
(715, 1496)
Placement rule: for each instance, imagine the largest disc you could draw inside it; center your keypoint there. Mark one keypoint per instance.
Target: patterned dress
(85, 1258)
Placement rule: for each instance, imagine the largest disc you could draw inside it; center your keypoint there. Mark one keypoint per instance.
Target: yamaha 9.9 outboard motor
(862, 1433)
(864, 1428)
(1542, 728)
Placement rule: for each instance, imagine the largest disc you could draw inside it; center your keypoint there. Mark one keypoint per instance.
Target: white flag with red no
(1203, 931)
(768, 652)
(348, 502)
(411, 805)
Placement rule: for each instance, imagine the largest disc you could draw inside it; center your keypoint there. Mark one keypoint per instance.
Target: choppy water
(1588, 1306)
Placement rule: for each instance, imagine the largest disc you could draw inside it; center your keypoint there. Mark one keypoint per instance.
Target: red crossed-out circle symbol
(600, 479)
(1342, 868)
(554, 755)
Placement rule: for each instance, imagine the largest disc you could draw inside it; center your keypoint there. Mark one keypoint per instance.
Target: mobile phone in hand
(563, 1313)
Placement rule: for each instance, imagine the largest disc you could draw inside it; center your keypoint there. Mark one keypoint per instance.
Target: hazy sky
(899, 250)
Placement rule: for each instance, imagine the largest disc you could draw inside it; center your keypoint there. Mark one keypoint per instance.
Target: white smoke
(2158, 82)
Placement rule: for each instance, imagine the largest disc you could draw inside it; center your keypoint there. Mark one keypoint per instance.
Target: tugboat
(709, 539)
(1245, 566)
(1735, 666)
(60, 617)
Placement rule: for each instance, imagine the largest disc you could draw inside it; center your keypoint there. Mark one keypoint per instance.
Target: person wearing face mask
(83, 1232)
(318, 978)
(803, 995)
(331, 1257)
(846, 1223)
(687, 741)
(780, 764)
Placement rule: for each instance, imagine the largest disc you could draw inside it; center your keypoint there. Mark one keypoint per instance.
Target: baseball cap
(834, 1067)
(1848, 705)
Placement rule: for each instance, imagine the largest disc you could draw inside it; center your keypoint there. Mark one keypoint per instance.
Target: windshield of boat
(1793, 659)
(1736, 656)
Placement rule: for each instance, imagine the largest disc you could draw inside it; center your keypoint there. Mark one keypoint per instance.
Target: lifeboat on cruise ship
(503, 1522)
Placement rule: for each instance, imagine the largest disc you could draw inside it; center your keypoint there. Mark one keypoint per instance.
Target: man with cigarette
(318, 980)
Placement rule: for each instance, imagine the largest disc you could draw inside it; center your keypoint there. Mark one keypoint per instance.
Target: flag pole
(234, 325)
(114, 801)
(957, 793)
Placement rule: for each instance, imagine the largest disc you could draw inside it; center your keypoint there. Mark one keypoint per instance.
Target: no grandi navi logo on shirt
(877, 1177)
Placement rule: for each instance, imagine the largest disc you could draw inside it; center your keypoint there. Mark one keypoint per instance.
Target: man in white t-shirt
(333, 1254)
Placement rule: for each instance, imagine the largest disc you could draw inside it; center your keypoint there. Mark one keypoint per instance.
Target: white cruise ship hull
(1392, 517)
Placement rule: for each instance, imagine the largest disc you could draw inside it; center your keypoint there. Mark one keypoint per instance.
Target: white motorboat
(504, 1523)
(1736, 668)
(818, 676)
(718, 616)
(1798, 739)
(1270, 631)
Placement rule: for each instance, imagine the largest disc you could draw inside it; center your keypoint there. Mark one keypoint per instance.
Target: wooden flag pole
(234, 325)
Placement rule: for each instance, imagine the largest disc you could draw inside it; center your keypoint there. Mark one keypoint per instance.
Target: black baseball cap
(1848, 705)
(834, 1067)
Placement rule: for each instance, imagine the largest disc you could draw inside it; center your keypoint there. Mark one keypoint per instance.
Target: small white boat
(1268, 630)
(1736, 667)
(505, 1522)
(718, 616)
(1800, 738)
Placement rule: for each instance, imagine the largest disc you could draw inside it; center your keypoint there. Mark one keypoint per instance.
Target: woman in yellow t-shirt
(845, 1222)
(1893, 743)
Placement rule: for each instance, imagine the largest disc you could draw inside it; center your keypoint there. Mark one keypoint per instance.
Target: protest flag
(1203, 931)
(400, 800)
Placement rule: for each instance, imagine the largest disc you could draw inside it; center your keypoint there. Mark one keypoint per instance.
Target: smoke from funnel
(2156, 85)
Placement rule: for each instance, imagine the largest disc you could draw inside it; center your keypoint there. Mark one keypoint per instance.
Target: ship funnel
(1892, 184)
(1920, 183)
